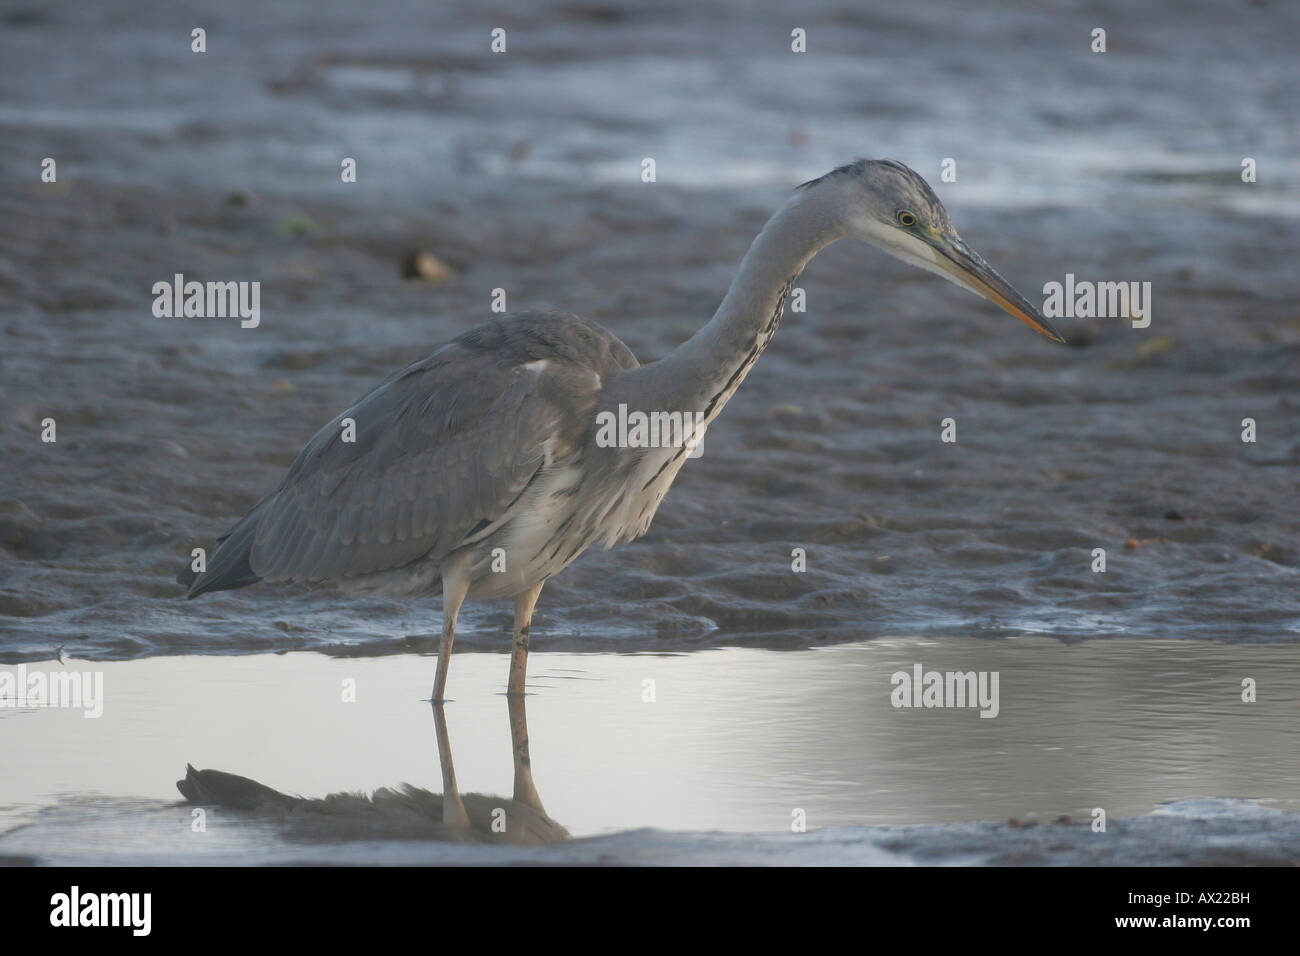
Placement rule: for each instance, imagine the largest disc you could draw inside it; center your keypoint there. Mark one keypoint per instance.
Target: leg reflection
(525, 792)
(481, 816)
(453, 807)
(402, 812)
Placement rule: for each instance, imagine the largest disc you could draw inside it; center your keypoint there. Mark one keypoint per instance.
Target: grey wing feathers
(440, 448)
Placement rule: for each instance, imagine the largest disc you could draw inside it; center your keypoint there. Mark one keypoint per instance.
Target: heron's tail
(229, 567)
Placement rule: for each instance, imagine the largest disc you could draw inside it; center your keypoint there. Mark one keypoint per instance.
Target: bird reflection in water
(404, 812)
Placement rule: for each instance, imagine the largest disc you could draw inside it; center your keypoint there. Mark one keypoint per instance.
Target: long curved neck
(704, 372)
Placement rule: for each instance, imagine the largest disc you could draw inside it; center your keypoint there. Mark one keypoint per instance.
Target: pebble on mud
(424, 265)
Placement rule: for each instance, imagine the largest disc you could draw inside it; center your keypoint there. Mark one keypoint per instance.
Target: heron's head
(888, 205)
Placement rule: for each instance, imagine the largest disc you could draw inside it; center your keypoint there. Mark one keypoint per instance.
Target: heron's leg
(455, 585)
(453, 808)
(524, 604)
(525, 792)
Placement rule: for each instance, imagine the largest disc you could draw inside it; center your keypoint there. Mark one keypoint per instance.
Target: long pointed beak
(971, 272)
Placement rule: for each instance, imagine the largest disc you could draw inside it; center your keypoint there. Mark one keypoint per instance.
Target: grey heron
(477, 471)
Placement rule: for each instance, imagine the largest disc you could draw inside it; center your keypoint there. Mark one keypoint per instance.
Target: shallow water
(734, 740)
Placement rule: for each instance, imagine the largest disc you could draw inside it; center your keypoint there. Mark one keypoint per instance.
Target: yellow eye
(906, 218)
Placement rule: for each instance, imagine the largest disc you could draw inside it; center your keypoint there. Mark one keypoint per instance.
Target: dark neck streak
(763, 336)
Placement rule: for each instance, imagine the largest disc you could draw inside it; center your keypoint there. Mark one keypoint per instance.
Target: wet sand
(736, 741)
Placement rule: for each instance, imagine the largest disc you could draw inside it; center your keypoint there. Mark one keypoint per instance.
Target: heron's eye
(906, 218)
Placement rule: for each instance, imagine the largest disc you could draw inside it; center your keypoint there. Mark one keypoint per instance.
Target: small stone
(424, 265)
